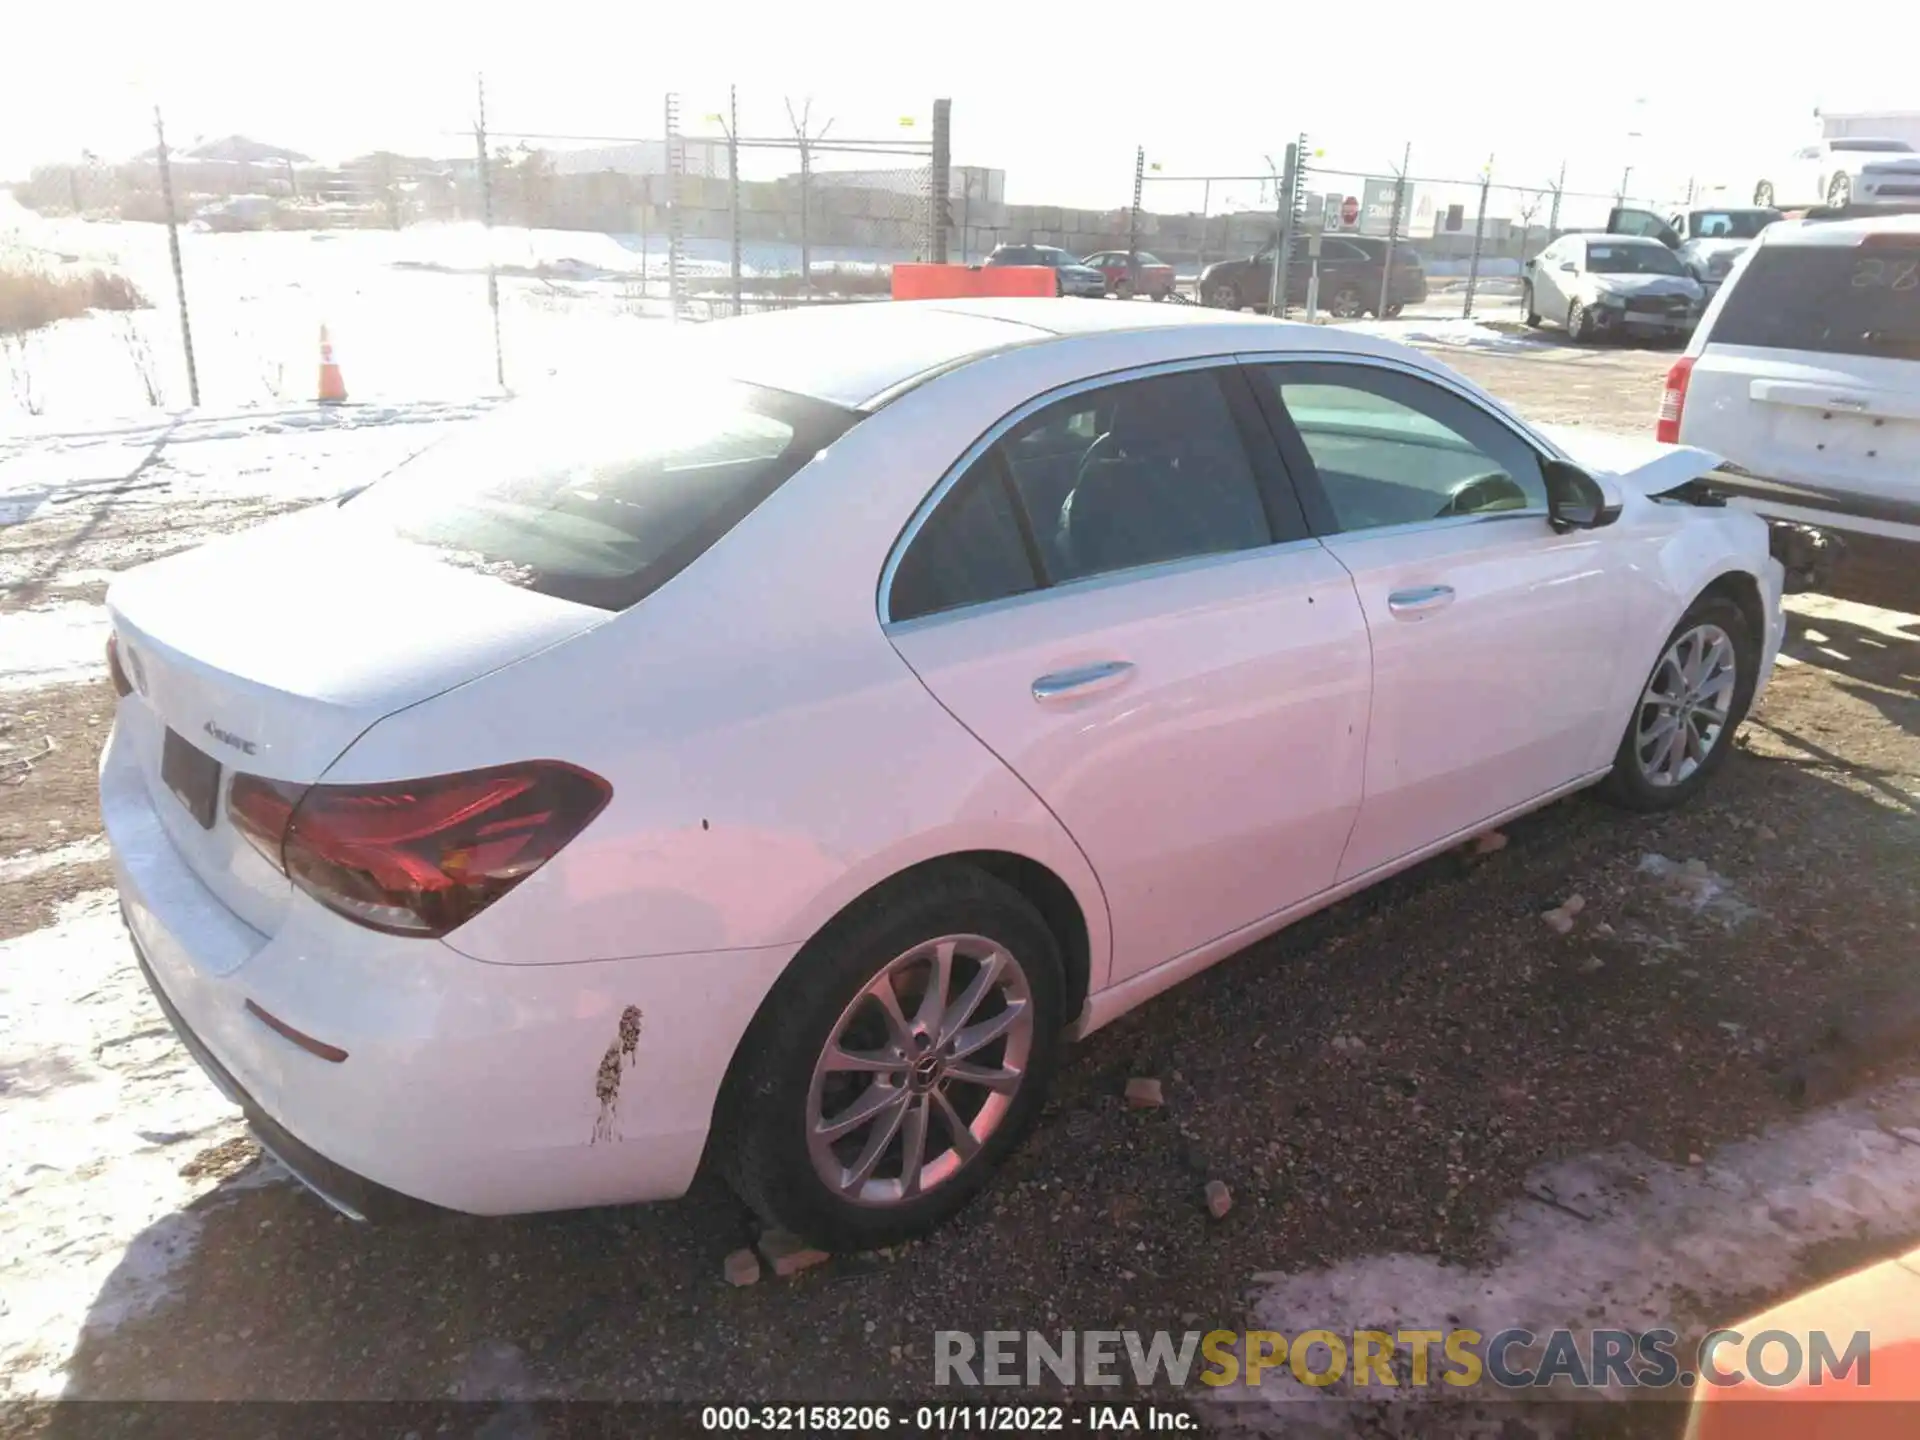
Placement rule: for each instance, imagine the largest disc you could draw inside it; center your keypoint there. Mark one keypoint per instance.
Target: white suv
(1804, 374)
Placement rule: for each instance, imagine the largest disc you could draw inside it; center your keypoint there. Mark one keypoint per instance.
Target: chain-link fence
(1382, 240)
(494, 258)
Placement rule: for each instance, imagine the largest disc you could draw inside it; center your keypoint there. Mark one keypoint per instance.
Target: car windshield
(1830, 299)
(600, 498)
(1047, 255)
(1729, 224)
(1632, 260)
(1898, 147)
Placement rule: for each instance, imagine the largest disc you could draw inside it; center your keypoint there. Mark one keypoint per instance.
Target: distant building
(1878, 124)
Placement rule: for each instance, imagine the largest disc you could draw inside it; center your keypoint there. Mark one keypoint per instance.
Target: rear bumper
(490, 1089)
(1885, 517)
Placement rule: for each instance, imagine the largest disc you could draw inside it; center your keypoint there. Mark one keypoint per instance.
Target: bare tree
(1524, 209)
(805, 136)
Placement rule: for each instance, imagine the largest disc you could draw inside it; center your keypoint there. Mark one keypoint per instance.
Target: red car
(1149, 277)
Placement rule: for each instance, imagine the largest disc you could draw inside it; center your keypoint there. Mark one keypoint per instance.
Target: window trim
(1305, 475)
(1279, 497)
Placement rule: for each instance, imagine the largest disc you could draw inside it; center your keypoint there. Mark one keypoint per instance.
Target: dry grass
(32, 296)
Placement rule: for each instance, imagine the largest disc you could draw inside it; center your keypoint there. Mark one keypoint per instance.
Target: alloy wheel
(1684, 709)
(920, 1070)
(1347, 305)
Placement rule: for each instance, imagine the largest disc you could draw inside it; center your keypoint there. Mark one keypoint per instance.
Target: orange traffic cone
(333, 389)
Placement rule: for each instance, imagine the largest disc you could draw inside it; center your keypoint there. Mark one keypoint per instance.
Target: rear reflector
(331, 1053)
(1673, 401)
(121, 684)
(417, 857)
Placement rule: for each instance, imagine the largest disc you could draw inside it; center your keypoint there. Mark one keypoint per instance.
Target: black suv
(1350, 270)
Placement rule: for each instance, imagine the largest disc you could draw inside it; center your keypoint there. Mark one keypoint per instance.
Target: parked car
(1805, 373)
(774, 756)
(1849, 170)
(1613, 285)
(1140, 275)
(1072, 278)
(1350, 270)
(1707, 241)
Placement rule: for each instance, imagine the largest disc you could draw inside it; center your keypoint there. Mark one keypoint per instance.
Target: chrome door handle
(1083, 680)
(1412, 604)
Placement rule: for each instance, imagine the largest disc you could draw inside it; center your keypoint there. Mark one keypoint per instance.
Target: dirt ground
(1476, 1044)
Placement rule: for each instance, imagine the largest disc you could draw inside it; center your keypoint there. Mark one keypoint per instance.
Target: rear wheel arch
(1038, 884)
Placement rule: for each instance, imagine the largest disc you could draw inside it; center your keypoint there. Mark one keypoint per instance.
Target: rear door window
(601, 499)
(1828, 299)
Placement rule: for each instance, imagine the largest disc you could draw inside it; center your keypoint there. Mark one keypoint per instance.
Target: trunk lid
(272, 651)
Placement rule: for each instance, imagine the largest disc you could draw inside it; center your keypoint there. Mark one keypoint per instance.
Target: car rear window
(1831, 299)
(603, 498)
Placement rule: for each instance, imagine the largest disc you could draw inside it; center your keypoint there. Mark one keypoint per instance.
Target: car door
(1495, 639)
(1804, 179)
(1158, 648)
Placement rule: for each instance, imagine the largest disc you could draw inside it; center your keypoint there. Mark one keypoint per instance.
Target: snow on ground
(1458, 334)
(47, 647)
(103, 1110)
(1621, 1234)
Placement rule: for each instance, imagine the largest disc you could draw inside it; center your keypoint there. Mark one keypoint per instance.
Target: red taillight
(121, 684)
(1673, 400)
(418, 857)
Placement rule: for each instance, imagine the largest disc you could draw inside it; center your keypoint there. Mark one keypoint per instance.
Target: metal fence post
(486, 220)
(940, 183)
(1282, 188)
(1133, 215)
(1553, 215)
(1393, 230)
(806, 246)
(733, 185)
(173, 252)
(1206, 215)
(1479, 231)
(676, 243)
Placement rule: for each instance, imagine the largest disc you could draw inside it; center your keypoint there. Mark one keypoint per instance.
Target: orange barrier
(966, 282)
(333, 387)
(1884, 1301)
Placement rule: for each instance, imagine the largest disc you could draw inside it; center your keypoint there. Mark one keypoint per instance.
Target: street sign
(1349, 211)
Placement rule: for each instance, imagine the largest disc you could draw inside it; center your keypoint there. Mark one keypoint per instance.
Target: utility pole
(1393, 230)
(1553, 216)
(486, 220)
(173, 252)
(1479, 232)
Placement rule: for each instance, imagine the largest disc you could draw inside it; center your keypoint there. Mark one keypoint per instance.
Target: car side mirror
(1568, 266)
(1575, 500)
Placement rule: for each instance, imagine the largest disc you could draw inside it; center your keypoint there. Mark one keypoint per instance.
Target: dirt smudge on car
(613, 1065)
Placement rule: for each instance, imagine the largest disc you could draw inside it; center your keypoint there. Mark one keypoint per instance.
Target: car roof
(860, 355)
(1608, 239)
(1849, 231)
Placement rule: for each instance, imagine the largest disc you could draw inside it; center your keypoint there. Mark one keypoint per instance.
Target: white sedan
(775, 758)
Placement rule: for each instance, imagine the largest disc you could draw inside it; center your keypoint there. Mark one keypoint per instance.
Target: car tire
(1840, 191)
(1763, 194)
(1528, 314)
(1157, 296)
(1642, 778)
(1223, 297)
(1059, 287)
(1124, 290)
(1393, 310)
(1347, 304)
(774, 1110)
(1579, 327)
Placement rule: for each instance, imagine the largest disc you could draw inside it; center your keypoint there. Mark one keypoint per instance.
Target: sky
(1056, 102)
